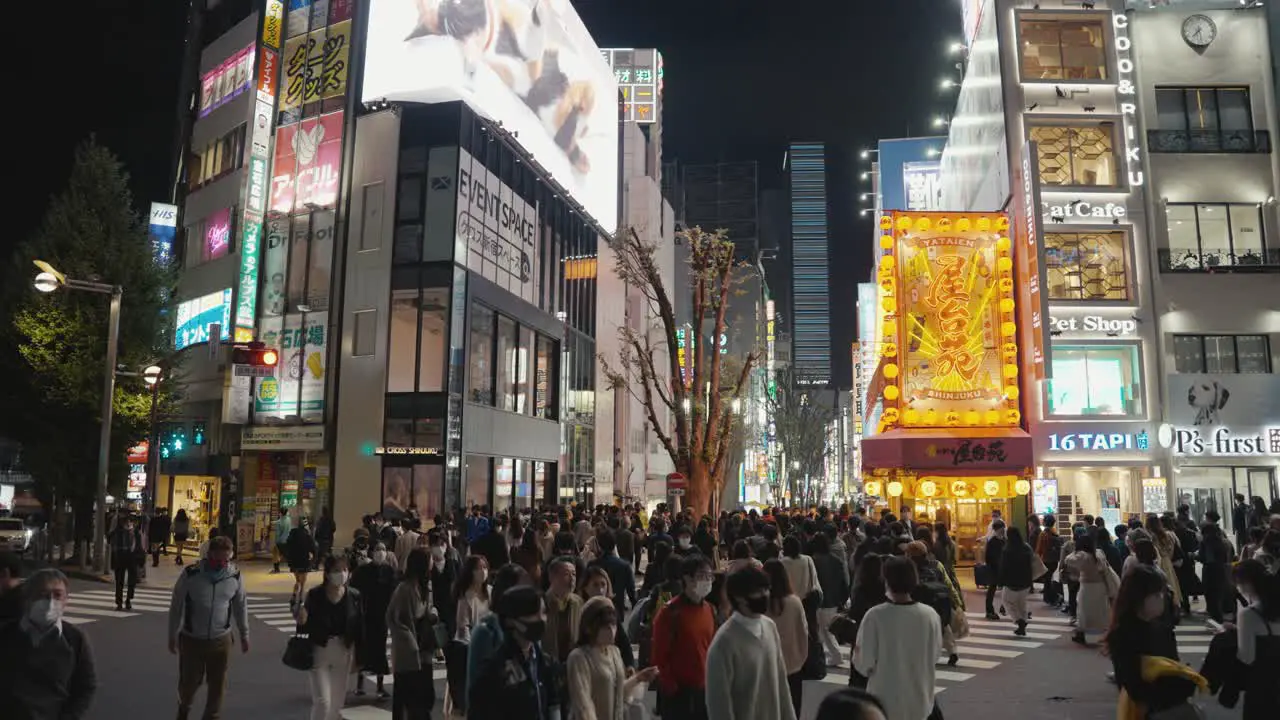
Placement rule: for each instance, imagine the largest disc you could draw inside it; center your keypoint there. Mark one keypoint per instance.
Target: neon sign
(1128, 108)
(1220, 442)
(1068, 442)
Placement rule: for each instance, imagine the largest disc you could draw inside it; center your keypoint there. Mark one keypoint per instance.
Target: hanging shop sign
(1219, 441)
(273, 23)
(1081, 209)
(283, 437)
(1028, 258)
(1094, 442)
(1044, 496)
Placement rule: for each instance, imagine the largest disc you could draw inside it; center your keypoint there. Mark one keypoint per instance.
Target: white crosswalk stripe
(87, 606)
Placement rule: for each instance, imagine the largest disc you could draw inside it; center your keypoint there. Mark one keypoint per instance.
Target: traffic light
(254, 353)
(173, 440)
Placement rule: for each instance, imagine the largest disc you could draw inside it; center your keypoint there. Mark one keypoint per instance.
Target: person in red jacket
(682, 632)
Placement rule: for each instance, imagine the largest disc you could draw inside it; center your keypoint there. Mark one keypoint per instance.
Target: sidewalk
(258, 578)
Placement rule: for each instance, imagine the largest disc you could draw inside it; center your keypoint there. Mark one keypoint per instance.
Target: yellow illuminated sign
(947, 304)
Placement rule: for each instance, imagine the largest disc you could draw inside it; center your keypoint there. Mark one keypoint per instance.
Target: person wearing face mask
(207, 598)
(746, 670)
(518, 681)
(443, 577)
(375, 580)
(1141, 635)
(684, 543)
(333, 618)
(46, 666)
(410, 619)
(682, 633)
(598, 680)
(595, 583)
(897, 646)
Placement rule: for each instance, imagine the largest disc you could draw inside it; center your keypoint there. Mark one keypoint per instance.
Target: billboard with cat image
(529, 64)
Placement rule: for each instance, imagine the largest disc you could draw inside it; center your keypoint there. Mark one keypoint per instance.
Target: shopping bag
(959, 625)
(1038, 568)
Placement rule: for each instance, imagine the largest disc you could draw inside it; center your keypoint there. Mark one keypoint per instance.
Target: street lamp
(151, 376)
(947, 83)
(48, 280)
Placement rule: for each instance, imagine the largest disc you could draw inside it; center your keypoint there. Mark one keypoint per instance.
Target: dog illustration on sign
(1207, 398)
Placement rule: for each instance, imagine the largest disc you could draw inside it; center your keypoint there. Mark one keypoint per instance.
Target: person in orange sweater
(682, 632)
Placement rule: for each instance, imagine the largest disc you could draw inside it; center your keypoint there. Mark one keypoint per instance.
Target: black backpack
(932, 590)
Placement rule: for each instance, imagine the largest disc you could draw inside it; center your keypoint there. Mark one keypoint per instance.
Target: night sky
(743, 78)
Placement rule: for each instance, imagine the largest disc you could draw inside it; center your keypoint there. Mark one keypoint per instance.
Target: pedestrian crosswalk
(89, 606)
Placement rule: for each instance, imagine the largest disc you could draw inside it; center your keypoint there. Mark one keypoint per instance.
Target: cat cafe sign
(1084, 211)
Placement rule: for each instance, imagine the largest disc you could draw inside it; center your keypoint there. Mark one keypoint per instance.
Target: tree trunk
(700, 486)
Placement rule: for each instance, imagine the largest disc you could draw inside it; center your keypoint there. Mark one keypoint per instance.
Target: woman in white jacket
(598, 682)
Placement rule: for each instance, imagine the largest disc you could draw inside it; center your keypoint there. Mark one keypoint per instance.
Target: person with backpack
(934, 589)
(682, 633)
(46, 664)
(207, 598)
(1048, 546)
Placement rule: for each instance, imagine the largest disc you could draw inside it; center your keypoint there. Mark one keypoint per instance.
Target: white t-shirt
(897, 648)
(1249, 627)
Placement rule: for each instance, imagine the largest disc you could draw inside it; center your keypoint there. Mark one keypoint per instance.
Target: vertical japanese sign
(298, 387)
(162, 230)
(273, 24)
(315, 65)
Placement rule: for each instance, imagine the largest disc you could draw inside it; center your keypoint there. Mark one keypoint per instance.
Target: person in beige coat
(787, 613)
(598, 682)
(409, 610)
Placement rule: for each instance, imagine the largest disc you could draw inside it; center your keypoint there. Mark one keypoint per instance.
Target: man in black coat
(46, 665)
(158, 535)
(995, 548)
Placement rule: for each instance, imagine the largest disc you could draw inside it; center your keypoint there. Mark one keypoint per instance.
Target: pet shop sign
(1093, 324)
(1219, 441)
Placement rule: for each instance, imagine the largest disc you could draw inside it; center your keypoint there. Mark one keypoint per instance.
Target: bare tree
(801, 418)
(701, 399)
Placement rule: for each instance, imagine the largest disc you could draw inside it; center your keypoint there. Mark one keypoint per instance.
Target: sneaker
(993, 616)
(1021, 630)
(1071, 621)
(383, 696)
(1002, 610)
(128, 605)
(951, 661)
(119, 607)
(1079, 639)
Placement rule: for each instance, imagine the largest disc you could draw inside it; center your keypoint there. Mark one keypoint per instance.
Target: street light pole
(104, 438)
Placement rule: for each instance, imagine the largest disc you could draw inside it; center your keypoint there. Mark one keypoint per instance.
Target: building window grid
(1089, 266)
(1221, 354)
(1076, 155)
(1198, 114)
(1067, 60)
(1200, 258)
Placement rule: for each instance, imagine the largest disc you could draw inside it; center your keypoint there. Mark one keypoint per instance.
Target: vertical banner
(1028, 258)
(307, 161)
(162, 230)
(273, 24)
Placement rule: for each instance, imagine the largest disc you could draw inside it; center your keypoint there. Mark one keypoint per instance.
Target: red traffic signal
(255, 354)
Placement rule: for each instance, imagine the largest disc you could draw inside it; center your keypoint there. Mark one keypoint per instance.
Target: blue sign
(162, 229)
(195, 316)
(909, 160)
(1068, 442)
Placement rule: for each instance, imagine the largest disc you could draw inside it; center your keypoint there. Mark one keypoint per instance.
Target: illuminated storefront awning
(960, 451)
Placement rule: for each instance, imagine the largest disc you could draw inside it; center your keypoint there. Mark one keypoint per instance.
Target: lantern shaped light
(1022, 487)
(895, 489)
(871, 487)
(1002, 244)
(991, 488)
(1011, 392)
(891, 371)
(891, 392)
(928, 488)
(984, 224)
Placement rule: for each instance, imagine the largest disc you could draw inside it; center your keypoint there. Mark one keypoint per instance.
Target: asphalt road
(1042, 675)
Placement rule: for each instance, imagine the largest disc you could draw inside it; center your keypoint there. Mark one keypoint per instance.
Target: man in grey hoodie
(207, 598)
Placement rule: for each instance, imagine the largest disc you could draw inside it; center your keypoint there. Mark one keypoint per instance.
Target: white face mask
(337, 578)
(437, 552)
(684, 543)
(701, 589)
(379, 556)
(45, 612)
(483, 575)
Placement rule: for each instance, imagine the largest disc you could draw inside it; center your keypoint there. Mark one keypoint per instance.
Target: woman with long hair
(1138, 631)
(471, 600)
(1167, 546)
(741, 557)
(1258, 639)
(1092, 604)
(788, 614)
(944, 548)
(598, 678)
(1215, 556)
(333, 619)
(1015, 577)
(528, 555)
(181, 531)
(596, 583)
(375, 580)
(409, 618)
(868, 592)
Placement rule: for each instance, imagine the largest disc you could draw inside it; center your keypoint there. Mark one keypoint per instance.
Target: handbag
(1110, 579)
(299, 653)
(1038, 568)
(959, 625)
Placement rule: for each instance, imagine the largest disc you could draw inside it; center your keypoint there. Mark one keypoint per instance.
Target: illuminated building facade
(810, 266)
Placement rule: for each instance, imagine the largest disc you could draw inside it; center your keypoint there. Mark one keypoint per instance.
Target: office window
(1076, 155)
(1063, 50)
(216, 159)
(508, 353)
(1086, 265)
(1211, 236)
(1204, 119)
(1096, 380)
(1221, 354)
(480, 355)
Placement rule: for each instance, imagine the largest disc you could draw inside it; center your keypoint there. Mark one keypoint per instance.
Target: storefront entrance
(1206, 488)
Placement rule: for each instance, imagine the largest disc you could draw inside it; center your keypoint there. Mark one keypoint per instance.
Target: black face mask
(758, 605)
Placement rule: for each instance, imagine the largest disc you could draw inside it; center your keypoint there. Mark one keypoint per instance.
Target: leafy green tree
(53, 346)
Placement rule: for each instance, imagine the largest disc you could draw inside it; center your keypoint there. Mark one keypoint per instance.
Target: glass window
(1063, 50)
(524, 359)
(507, 354)
(1095, 380)
(299, 246)
(431, 356)
(1219, 354)
(397, 487)
(524, 483)
(1076, 155)
(476, 491)
(402, 357)
(428, 490)
(1188, 353)
(1200, 109)
(539, 482)
(1086, 266)
(503, 478)
(428, 433)
(1208, 236)
(545, 379)
(398, 432)
(1253, 353)
(480, 355)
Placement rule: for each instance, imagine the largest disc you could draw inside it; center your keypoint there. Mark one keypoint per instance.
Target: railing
(1193, 260)
(1209, 141)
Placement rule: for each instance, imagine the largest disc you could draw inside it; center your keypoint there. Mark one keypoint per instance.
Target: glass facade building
(811, 306)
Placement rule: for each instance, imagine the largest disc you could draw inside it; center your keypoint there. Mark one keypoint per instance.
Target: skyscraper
(723, 195)
(811, 307)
